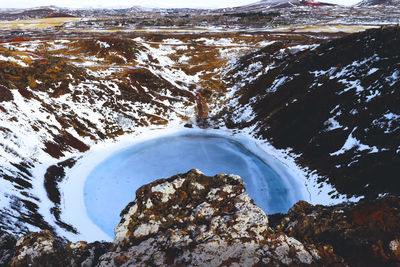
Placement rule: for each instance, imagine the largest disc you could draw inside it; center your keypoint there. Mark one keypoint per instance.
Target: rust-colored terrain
(60, 96)
(326, 95)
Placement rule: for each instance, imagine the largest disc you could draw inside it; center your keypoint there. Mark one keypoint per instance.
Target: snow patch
(353, 142)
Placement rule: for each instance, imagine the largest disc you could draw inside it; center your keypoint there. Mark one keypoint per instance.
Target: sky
(144, 3)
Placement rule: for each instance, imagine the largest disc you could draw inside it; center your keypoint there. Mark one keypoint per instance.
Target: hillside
(61, 97)
(335, 106)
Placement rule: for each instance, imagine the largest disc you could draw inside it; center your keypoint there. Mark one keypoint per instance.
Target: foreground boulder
(42, 249)
(192, 219)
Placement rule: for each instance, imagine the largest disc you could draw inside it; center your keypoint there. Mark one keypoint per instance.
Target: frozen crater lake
(112, 184)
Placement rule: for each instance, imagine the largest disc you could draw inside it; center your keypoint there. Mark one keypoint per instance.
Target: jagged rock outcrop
(195, 220)
(364, 234)
(42, 249)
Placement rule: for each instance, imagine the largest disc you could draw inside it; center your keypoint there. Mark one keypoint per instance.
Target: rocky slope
(335, 106)
(215, 223)
(53, 106)
(364, 234)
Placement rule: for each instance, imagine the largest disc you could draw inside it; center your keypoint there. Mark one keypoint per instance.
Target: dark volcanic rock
(41, 249)
(5, 94)
(53, 176)
(335, 105)
(7, 245)
(364, 234)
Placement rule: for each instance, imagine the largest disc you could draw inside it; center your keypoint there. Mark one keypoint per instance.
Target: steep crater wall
(335, 106)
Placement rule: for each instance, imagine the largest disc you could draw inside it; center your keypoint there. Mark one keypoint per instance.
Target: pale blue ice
(113, 183)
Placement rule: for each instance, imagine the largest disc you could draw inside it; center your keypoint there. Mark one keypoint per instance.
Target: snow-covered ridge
(60, 97)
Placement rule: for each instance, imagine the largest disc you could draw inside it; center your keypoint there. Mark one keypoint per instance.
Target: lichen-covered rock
(364, 234)
(195, 220)
(7, 245)
(34, 248)
(85, 254)
(41, 249)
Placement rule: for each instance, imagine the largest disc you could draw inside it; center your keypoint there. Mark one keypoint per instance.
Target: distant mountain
(53, 11)
(273, 4)
(34, 13)
(379, 2)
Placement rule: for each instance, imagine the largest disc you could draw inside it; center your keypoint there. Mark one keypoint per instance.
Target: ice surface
(112, 184)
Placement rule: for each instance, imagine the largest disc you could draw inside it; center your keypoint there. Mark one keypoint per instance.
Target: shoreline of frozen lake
(112, 184)
(75, 213)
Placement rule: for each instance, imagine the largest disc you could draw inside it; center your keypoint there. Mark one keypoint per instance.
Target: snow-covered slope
(60, 97)
(335, 106)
